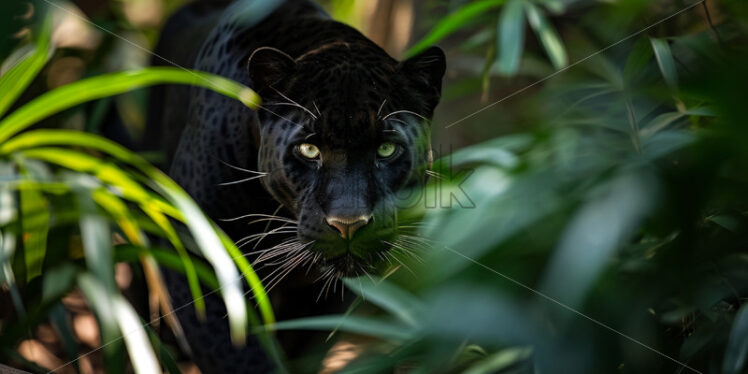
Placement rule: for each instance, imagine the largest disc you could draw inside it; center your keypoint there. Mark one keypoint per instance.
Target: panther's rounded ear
(268, 66)
(427, 69)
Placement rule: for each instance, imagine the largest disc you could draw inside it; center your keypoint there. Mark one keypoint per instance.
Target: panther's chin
(349, 265)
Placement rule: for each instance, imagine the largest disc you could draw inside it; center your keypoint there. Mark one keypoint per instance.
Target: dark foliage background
(589, 213)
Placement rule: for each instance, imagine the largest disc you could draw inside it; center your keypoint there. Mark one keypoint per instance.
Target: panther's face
(345, 131)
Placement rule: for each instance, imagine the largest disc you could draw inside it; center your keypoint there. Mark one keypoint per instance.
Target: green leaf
(499, 361)
(637, 61)
(737, 344)
(511, 37)
(659, 123)
(167, 258)
(388, 330)
(389, 297)
(100, 299)
(453, 22)
(217, 243)
(609, 218)
(130, 189)
(35, 226)
(57, 282)
(15, 80)
(665, 61)
(97, 242)
(58, 318)
(120, 213)
(548, 36)
(113, 84)
(164, 356)
(136, 340)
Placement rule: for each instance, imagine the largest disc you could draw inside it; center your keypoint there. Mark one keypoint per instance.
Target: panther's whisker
(294, 105)
(415, 243)
(286, 248)
(275, 213)
(283, 228)
(414, 247)
(400, 122)
(434, 174)
(327, 276)
(316, 108)
(272, 219)
(293, 102)
(395, 257)
(239, 168)
(380, 108)
(405, 111)
(249, 215)
(332, 280)
(259, 236)
(298, 259)
(243, 180)
(420, 239)
(249, 241)
(276, 252)
(370, 277)
(284, 243)
(383, 256)
(314, 261)
(280, 272)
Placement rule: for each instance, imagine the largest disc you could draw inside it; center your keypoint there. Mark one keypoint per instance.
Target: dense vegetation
(593, 218)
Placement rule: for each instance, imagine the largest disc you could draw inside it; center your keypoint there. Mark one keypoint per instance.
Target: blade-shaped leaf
(35, 226)
(387, 296)
(197, 222)
(136, 340)
(665, 61)
(97, 241)
(548, 36)
(354, 324)
(100, 301)
(101, 86)
(511, 37)
(737, 345)
(453, 22)
(15, 80)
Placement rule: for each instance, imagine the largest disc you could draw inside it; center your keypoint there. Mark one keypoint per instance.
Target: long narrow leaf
(136, 340)
(99, 299)
(113, 84)
(548, 36)
(35, 226)
(511, 37)
(665, 61)
(736, 352)
(130, 189)
(387, 296)
(97, 242)
(72, 138)
(453, 22)
(354, 324)
(15, 81)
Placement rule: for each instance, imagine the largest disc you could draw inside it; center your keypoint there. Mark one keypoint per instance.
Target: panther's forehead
(350, 94)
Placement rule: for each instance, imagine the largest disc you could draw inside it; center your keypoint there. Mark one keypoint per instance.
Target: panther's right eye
(309, 151)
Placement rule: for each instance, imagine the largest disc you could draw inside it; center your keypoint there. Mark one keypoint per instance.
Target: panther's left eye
(386, 150)
(309, 151)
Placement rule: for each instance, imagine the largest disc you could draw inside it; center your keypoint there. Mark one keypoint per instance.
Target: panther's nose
(346, 226)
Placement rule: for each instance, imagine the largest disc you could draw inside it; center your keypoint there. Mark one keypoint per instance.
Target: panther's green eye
(386, 149)
(309, 151)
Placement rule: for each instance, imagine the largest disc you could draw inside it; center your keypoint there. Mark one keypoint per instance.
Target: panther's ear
(268, 66)
(426, 70)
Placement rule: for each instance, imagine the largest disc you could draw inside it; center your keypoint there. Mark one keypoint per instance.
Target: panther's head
(346, 128)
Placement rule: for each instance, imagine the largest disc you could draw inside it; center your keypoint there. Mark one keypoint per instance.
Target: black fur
(351, 97)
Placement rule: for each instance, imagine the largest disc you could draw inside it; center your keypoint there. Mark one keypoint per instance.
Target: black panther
(343, 128)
